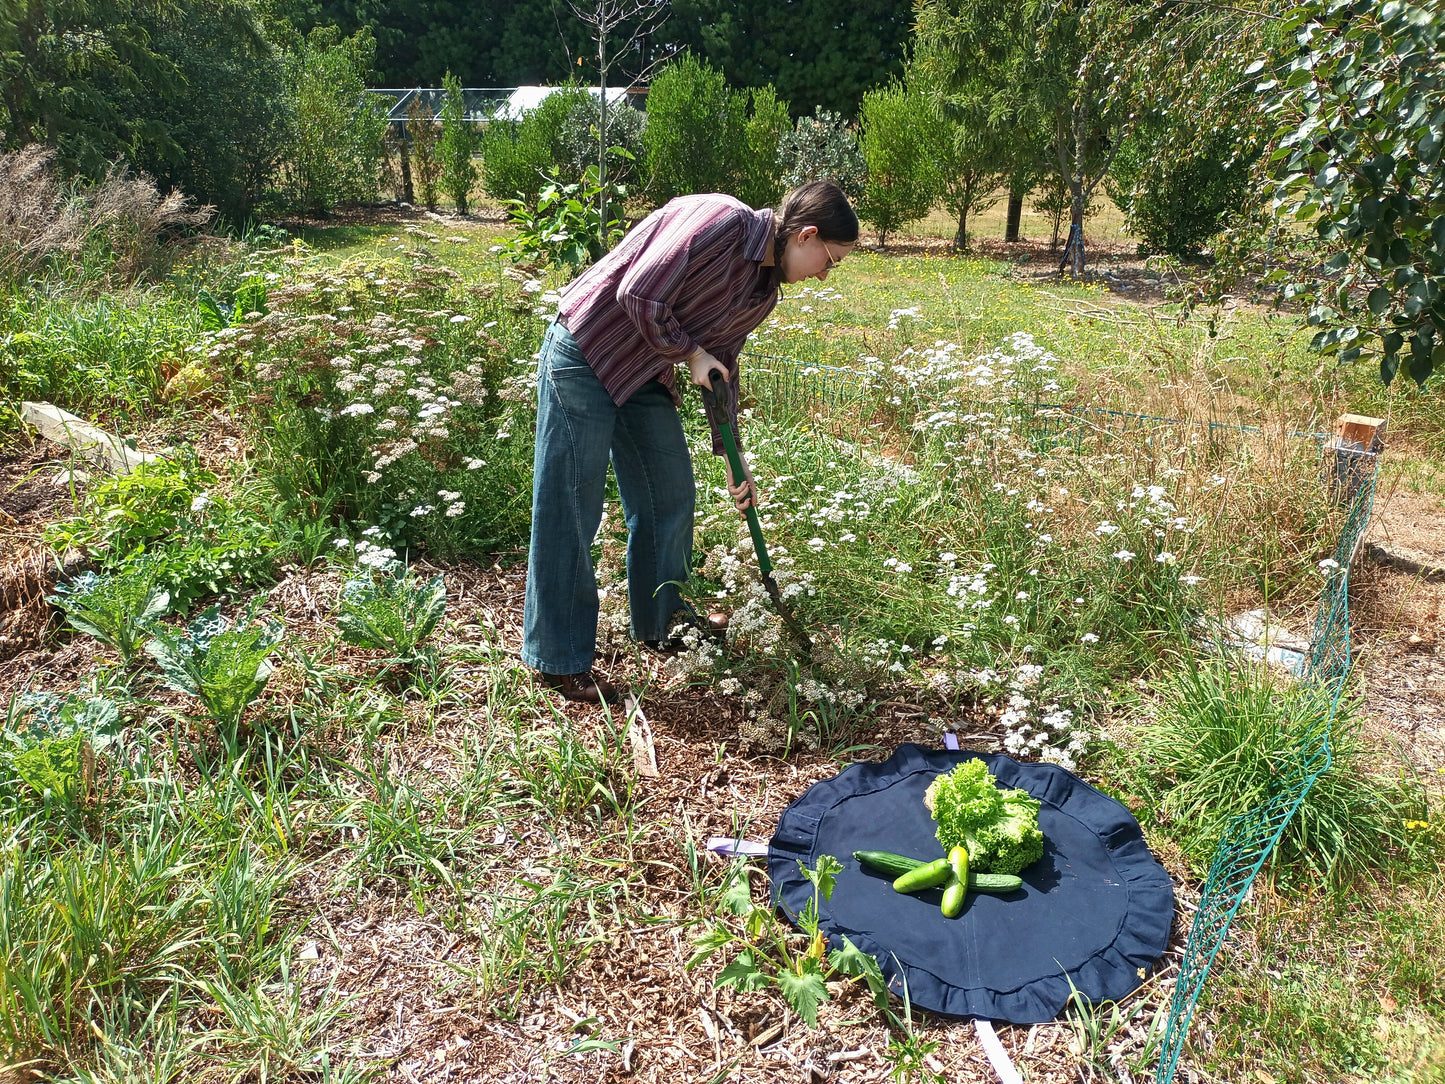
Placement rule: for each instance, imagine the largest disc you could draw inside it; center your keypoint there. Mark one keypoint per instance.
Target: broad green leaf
(212, 319)
(54, 765)
(851, 960)
(709, 943)
(1389, 366)
(1379, 300)
(1422, 359)
(824, 874)
(737, 896)
(804, 992)
(743, 973)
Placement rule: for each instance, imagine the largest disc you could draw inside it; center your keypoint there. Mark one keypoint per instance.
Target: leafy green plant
(908, 1052)
(823, 145)
(518, 155)
(455, 150)
(1000, 828)
(770, 954)
(580, 146)
(907, 1057)
(54, 766)
(1222, 737)
(50, 741)
(567, 225)
(221, 549)
(118, 609)
(223, 666)
(250, 296)
(127, 512)
(164, 524)
(384, 611)
(899, 128)
(1360, 129)
(423, 134)
(694, 135)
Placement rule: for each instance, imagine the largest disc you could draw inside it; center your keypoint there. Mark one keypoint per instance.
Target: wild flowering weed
(397, 393)
(955, 530)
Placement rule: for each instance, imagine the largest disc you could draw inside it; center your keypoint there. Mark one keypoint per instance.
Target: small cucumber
(893, 865)
(930, 876)
(997, 883)
(957, 890)
(896, 865)
(953, 896)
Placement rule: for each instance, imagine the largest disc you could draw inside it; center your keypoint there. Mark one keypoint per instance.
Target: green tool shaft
(717, 401)
(730, 446)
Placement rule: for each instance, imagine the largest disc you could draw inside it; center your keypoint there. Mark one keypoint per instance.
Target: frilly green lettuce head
(1000, 828)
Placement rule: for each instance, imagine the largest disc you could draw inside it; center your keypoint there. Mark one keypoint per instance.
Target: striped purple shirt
(688, 275)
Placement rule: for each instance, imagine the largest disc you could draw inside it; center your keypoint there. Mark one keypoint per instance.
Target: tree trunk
(965, 202)
(403, 151)
(1071, 171)
(1074, 250)
(602, 208)
(1015, 215)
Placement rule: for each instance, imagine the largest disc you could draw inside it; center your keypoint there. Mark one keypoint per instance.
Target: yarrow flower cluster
(1032, 725)
(393, 369)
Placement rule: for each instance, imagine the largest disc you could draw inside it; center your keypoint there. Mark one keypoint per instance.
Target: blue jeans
(578, 429)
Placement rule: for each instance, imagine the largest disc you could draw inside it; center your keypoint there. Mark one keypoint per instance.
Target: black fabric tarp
(1096, 909)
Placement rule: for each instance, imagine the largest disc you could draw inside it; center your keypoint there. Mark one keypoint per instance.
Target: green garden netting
(1249, 839)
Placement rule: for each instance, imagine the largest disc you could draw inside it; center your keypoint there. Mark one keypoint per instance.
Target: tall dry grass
(118, 231)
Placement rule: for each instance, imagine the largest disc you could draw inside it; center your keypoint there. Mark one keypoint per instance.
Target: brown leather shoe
(587, 688)
(717, 623)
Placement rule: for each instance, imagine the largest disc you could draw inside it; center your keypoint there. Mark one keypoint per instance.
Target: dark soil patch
(30, 497)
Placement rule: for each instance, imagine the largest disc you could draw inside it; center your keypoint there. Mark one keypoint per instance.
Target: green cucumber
(896, 865)
(892, 865)
(953, 896)
(929, 876)
(997, 883)
(957, 890)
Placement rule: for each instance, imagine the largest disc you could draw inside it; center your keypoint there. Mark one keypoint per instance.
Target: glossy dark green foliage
(1360, 116)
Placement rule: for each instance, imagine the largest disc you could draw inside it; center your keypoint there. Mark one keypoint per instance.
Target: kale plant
(223, 666)
(119, 609)
(389, 612)
(51, 741)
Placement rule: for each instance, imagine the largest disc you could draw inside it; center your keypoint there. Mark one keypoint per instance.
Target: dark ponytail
(817, 203)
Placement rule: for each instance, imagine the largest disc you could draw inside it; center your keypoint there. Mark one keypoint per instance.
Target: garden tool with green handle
(716, 398)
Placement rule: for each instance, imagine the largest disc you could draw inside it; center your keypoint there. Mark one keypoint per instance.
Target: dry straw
(124, 219)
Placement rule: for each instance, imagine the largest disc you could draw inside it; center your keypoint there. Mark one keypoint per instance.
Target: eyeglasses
(833, 261)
